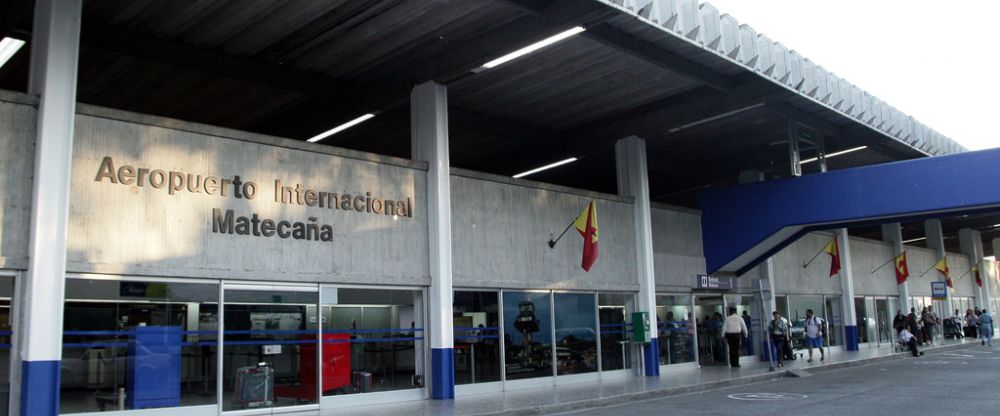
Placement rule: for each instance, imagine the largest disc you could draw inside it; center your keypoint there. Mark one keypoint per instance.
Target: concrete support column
(847, 289)
(971, 243)
(633, 181)
(429, 132)
(55, 47)
(935, 241)
(893, 234)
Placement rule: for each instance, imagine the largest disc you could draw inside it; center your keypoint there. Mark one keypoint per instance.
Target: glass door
(710, 311)
(269, 352)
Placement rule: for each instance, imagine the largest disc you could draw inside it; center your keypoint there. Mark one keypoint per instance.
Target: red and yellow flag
(942, 267)
(586, 224)
(833, 249)
(975, 272)
(902, 270)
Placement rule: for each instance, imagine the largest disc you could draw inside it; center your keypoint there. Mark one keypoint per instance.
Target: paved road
(956, 382)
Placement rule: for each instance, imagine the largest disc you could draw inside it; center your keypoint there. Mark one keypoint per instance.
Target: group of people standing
(915, 330)
(780, 331)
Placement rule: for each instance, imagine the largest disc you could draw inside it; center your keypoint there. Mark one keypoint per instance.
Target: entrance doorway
(710, 311)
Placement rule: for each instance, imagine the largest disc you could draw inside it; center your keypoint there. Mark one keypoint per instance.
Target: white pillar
(633, 181)
(935, 241)
(429, 130)
(55, 47)
(893, 234)
(847, 289)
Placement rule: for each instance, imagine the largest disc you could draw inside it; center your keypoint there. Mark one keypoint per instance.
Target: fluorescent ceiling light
(341, 128)
(914, 240)
(531, 48)
(842, 152)
(8, 47)
(546, 167)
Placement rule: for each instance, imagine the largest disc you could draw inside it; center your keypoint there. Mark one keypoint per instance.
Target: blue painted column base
(442, 373)
(651, 358)
(40, 388)
(851, 339)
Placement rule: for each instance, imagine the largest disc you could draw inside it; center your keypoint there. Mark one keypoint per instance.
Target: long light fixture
(341, 128)
(914, 240)
(531, 48)
(842, 152)
(546, 167)
(8, 47)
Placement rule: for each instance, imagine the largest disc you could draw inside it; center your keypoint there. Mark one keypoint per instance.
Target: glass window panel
(834, 315)
(576, 333)
(153, 344)
(614, 313)
(527, 335)
(269, 337)
(372, 340)
(884, 315)
(863, 320)
(675, 329)
(476, 330)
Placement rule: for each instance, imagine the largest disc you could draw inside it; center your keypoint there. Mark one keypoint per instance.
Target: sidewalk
(568, 397)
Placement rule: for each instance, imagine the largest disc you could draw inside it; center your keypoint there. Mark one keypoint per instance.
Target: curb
(676, 391)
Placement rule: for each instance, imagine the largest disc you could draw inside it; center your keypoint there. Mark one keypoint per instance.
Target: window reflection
(576, 333)
(527, 335)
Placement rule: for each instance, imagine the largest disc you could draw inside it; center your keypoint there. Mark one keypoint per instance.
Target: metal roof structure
(711, 97)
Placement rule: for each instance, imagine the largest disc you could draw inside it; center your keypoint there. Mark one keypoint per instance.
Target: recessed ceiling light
(546, 167)
(340, 128)
(8, 47)
(531, 48)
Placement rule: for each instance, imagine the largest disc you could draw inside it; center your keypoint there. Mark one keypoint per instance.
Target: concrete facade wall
(791, 278)
(17, 155)
(501, 226)
(143, 230)
(867, 255)
(677, 250)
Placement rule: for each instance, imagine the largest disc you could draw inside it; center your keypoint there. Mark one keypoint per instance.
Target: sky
(934, 60)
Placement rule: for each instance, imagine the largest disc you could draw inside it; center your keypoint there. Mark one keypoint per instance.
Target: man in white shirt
(907, 338)
(814, 334)
(735, 330)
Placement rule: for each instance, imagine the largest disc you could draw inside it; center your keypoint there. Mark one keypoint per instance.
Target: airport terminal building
(169, 238)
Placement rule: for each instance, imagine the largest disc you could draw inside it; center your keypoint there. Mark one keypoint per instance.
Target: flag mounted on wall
(975, 272)
(902, 270)
(586, 225)
(833, 249)
(942, 267)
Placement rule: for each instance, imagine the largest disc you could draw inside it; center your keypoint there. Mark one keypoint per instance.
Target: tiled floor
(486, 403)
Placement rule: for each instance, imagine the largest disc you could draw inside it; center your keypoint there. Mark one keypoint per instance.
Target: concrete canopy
(743, 225)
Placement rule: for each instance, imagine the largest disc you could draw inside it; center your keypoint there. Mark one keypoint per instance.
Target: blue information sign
(939, 290)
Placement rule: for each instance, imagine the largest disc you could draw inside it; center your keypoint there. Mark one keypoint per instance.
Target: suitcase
(255, 386)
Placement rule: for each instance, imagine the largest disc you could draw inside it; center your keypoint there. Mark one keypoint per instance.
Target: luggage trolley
(255, 386)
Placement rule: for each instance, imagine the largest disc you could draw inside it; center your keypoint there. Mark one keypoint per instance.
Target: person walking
(814, 334)
(735, 330)
(780, 334)
(986, 328)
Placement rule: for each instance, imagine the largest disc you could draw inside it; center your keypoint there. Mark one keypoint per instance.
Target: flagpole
(963, 274)
(552, 243)
(928, 270)
(884, 264)
(814, 257)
